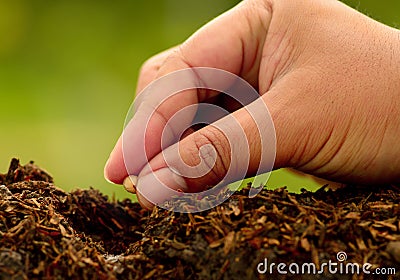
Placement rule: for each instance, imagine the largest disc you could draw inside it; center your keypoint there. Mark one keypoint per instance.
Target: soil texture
(47, 233)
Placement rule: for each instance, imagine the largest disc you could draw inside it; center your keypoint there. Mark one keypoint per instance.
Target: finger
(150, 68)
(237, 51)
(148, 73)
(232, 148)
(146, 133)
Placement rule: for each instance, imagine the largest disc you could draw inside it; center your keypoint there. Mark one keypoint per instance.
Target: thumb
(228, 150)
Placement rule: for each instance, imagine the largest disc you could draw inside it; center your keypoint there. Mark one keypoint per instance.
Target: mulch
(47, 233)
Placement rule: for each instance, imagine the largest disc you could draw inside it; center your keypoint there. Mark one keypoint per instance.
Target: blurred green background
(68, 70)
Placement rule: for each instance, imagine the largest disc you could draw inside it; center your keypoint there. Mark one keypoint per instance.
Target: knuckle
(148, 67)
(214, 137)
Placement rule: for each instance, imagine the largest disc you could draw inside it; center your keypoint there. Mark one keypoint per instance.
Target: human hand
(328, 75)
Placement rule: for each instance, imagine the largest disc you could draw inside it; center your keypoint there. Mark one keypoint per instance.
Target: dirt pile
(47, 233)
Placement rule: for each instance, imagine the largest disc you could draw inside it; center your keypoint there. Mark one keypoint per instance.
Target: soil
(47, 233)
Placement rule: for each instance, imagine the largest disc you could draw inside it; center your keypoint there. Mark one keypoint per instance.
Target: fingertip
(106, 172)
(144, 202)
(115, 171)
(158, 187)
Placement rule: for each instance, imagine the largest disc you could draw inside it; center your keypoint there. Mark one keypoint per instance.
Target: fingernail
(160, 185)
(130, 183)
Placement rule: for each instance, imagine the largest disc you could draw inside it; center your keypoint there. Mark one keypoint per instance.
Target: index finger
(235, 50)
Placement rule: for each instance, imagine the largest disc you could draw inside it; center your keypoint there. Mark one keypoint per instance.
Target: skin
(328, 74)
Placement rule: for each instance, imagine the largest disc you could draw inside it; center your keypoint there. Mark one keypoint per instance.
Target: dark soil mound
(46, 233)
